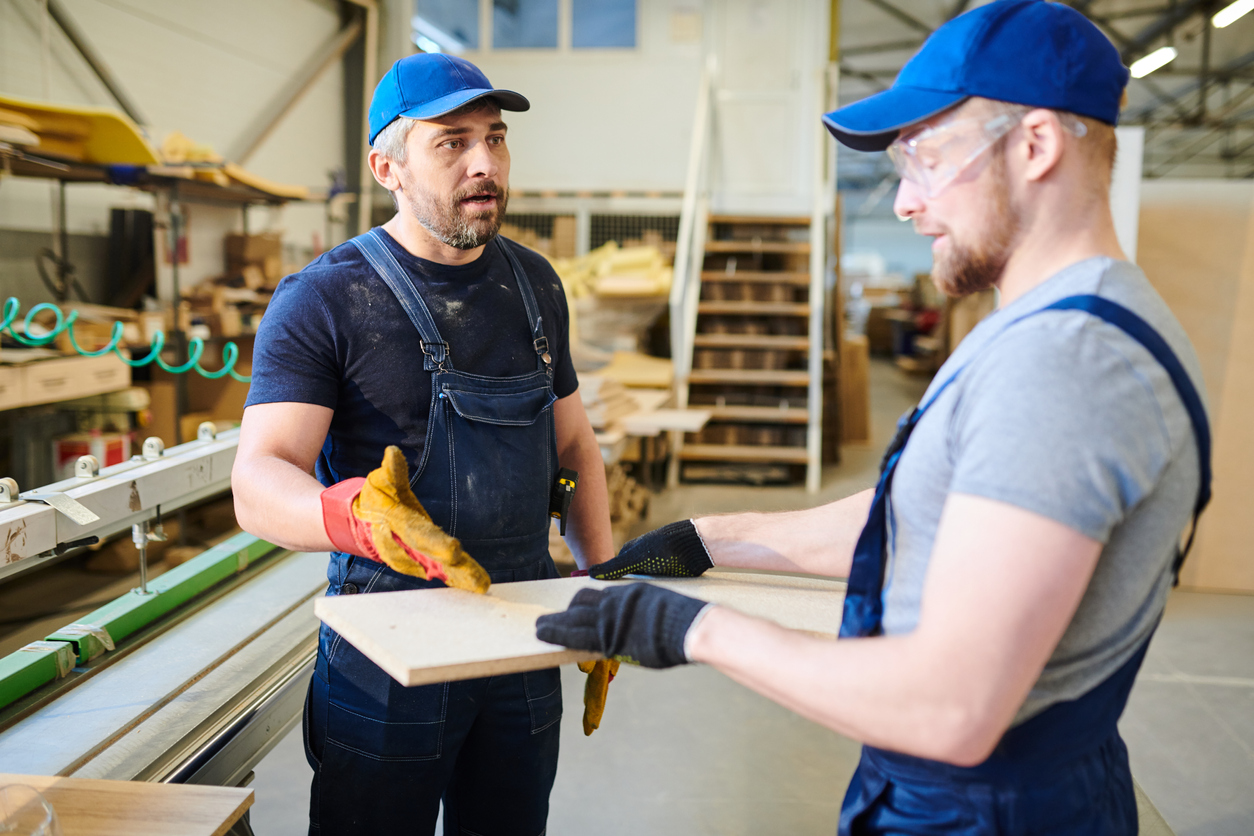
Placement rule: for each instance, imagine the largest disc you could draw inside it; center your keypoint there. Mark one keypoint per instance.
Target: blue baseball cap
(428, 85)
(1027, 52)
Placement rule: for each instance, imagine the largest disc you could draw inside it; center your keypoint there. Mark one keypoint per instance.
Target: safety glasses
(933, 157)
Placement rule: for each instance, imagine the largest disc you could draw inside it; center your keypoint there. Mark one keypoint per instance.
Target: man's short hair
(1097, 144)
(391, 140)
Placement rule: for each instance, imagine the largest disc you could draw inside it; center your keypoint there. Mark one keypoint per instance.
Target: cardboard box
(253, 249)
(108, 448)
(159, 421)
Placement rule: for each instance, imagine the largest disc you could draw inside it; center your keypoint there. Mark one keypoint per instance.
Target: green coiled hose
(65, 324)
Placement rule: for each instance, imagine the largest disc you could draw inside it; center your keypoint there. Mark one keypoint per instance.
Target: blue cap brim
(873, 123)
(506, 99)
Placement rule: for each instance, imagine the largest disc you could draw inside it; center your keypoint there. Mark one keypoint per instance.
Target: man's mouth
(480, 201)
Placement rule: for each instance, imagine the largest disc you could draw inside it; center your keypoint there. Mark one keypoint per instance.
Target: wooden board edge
(243, 807)
(494, 667)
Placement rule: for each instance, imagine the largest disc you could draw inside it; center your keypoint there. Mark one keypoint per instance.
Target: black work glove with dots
(637, 623)
(673, 550)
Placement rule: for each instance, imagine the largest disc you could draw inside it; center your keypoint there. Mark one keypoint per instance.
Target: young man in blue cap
(438, 347)
(1008, 570)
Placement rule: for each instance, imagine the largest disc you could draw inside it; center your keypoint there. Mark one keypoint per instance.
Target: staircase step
(742, 453)
(750, 377)
(755, 308)
(761, 220)
(750, 341)
(758, 246)
(758, 414)
(774, 276)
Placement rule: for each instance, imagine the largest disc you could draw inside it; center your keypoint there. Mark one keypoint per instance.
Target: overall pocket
(374, 716)
(544, 697)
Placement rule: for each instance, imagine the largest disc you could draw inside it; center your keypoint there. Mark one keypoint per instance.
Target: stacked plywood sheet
(605, 399)
(1196, 245)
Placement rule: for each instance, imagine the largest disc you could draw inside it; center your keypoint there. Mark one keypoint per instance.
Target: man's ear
(384, 171)
(1042, 143)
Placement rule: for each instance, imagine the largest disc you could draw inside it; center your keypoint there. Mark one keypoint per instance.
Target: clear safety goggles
(933, 157)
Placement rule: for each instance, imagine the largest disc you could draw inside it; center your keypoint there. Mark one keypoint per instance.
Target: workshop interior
(748, 316)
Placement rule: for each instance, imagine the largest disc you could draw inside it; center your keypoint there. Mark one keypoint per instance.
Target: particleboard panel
(1196, 245)
(437, 635)
(93, 807)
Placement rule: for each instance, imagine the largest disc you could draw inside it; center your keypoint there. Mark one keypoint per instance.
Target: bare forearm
(891, 692)
(279, 502)
(588, 529)
(817, 541)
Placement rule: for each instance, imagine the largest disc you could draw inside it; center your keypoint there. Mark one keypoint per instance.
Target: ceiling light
(1156, 59)
(1232, 13)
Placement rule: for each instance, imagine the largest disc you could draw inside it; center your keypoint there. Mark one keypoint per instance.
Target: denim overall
(384, 755)
(1064, 770)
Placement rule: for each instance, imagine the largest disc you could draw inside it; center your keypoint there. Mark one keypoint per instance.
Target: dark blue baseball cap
(1028, 52)
(428, 85)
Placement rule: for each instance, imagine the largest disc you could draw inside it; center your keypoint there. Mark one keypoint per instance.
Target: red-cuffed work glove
(380, 518)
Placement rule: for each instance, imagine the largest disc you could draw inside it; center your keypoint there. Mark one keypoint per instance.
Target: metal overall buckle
(542, 348)
(437, 358)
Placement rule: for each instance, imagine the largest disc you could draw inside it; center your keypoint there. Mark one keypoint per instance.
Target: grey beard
(453, 228)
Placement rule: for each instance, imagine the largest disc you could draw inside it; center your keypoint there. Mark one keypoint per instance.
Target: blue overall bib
(1064, 770)
(385, 755)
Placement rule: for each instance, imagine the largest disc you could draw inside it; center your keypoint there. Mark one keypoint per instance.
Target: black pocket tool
(561, 496)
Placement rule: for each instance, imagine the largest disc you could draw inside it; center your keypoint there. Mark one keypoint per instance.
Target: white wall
(206, 69)
(606, 120)
(602, 120)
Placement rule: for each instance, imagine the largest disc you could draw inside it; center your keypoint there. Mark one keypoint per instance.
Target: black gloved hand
(673, 550)
(640, 623)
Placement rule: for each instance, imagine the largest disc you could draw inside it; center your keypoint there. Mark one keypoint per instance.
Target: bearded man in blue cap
(1008, 570)
(441, 349)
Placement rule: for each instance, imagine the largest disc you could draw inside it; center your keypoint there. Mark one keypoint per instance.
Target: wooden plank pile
(605, 399)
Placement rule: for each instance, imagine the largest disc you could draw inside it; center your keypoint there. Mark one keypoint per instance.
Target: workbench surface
(92, 807)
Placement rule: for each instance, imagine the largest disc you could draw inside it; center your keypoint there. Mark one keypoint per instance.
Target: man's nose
(481, 161)
(909, 200)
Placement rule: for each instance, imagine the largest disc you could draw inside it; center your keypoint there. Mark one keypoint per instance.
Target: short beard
(971, 269)
(450, 223)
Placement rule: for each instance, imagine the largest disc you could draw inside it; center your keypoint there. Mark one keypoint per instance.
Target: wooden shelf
(750, 377)
(775, 277)
(750, 341)
(743, 453)
(786, 247)
(761, 220)
(759, 414)
(755, 308)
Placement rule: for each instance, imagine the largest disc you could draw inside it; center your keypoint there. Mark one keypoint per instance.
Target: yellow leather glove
(379, 517)
(595, 689)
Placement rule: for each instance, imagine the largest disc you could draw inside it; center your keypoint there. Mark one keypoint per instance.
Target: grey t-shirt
(1066, 416)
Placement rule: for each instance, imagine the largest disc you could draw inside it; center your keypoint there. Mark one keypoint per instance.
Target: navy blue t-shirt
(335, 335)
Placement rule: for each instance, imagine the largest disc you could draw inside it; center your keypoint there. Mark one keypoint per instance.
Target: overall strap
(1144, 333)
(434, 348)
(864, 602)
(538, 340)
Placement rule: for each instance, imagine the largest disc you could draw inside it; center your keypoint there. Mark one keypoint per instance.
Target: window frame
(565, 35)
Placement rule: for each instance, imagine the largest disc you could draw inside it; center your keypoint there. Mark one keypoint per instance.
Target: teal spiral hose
(65, 324)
